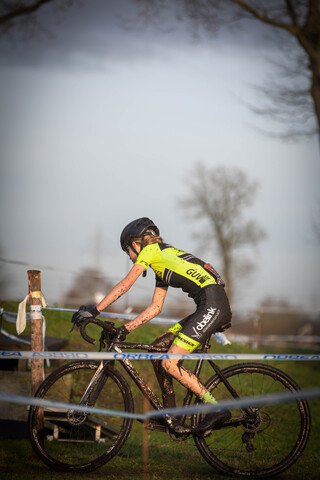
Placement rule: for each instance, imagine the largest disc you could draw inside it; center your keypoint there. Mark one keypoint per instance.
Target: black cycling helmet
(135, 229)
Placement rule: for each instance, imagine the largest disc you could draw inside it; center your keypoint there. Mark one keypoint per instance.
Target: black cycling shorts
(212, 314)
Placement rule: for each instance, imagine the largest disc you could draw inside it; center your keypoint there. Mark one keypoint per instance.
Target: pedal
(181, 430)
(154, 425)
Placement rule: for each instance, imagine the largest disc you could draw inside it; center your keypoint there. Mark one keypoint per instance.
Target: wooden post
(37, 374)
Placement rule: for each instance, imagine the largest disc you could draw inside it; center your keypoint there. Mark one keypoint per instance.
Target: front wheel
(70, 440)
(267, 443)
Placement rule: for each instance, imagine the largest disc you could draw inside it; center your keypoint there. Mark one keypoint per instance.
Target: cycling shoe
(212, 420)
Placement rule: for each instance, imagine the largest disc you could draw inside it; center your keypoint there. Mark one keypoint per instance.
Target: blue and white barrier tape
(8, 354)
(14, 337)
(264, 400)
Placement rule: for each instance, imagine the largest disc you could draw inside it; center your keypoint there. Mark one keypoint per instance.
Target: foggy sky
(101, 124)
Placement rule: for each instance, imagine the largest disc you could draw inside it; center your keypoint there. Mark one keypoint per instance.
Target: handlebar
(108, 329)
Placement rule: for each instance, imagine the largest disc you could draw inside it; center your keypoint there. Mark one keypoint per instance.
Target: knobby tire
(65, 440)
(278, 437)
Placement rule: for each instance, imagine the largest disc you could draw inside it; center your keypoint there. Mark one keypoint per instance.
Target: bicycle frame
(154, 400)
(230, 453)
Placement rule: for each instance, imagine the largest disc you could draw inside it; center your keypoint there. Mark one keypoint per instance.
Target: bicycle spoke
(265, 444)
(74, 440)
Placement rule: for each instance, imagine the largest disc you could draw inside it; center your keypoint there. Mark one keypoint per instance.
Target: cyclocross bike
(257, 442)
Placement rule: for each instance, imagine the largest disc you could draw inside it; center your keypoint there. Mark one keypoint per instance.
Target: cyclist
(141, 240)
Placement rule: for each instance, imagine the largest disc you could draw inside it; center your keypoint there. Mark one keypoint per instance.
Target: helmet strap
(134, 250)
(141, 243)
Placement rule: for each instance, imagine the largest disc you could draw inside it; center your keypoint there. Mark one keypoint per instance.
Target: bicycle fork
(94, 388)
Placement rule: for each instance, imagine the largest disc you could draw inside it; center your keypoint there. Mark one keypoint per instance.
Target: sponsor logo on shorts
(205, 320)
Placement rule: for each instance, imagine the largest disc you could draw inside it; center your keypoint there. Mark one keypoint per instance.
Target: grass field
(160, 458)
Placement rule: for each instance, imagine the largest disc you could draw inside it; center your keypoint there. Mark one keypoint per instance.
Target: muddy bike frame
(98, 380)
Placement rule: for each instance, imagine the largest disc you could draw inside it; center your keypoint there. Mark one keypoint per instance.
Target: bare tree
(294, 98)
(219, 197)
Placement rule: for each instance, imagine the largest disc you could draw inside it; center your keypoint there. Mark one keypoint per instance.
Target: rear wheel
(70, 440)
(267, 443)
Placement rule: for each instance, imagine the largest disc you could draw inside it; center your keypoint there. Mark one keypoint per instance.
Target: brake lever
(74, 324)
(102, 340)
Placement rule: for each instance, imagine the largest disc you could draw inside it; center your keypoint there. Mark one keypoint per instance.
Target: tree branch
(292, 12)
(22, 11)
(293, 29)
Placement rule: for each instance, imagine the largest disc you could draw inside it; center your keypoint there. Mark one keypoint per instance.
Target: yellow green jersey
(178, 269)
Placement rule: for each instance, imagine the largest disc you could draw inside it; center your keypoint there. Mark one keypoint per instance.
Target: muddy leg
(184, 376)
(164, 379)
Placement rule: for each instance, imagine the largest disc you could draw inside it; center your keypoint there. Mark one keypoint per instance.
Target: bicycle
(257, 442)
